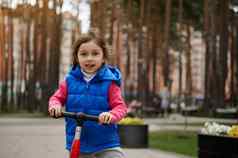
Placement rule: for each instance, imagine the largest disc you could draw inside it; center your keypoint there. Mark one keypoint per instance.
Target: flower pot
(211, 146)
(133, 136)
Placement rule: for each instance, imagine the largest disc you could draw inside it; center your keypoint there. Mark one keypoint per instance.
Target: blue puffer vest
(91, 98)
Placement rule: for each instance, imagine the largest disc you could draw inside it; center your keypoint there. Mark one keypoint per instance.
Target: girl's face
(90, 57)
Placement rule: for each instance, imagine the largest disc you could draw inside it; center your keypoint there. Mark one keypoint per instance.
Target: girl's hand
(55, 111)
(105, 117)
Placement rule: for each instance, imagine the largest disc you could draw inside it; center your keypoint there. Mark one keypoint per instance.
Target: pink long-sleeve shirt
(116, 102)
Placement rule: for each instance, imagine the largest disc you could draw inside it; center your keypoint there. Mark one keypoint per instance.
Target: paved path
(150, 153)
(44, 137)
(179, 122)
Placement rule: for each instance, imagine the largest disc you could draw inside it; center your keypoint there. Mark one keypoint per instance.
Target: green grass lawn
(182, 142)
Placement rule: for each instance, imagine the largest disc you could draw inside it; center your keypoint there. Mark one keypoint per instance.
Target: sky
(69, 5)
(84, 12)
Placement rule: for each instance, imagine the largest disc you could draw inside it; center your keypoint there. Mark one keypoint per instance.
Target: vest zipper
(87, 94)
(87, 85)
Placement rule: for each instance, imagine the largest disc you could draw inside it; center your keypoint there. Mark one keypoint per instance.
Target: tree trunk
(1, 57)
(210, 56)
(12, 106)
(166, 65)
(43, 58)
(232, 65)
(180, 69)
(236, 72)
(141, 94)
(223, 51)
(189, 82)
(4, 63)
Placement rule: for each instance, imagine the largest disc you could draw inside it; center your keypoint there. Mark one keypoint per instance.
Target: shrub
(131, 121)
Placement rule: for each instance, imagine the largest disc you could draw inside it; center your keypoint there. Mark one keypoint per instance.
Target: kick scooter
(80, 118)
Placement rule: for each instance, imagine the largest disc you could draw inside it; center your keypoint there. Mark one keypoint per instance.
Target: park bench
(226, 112)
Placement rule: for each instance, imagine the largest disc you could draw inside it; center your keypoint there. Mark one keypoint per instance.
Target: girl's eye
(95, 53)
(82, 53)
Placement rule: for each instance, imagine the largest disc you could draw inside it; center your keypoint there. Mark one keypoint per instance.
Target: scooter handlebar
(80, 116)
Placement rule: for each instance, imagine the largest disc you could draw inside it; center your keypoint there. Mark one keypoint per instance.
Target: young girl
(92, 87)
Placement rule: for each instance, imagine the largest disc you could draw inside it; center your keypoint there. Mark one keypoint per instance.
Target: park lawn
(181, 142)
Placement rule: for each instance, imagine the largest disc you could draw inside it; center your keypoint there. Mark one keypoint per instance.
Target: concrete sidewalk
(44, 137)
(150, 153)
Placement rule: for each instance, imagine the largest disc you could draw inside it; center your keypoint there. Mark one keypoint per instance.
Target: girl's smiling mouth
(89, 66)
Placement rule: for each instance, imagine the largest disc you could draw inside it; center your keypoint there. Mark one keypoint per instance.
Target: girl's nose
(89, 57)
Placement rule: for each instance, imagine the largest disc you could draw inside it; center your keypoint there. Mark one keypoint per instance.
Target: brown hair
(91, 36)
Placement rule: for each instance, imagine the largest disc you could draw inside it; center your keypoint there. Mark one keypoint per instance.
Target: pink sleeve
(59, 97)
(116, 102)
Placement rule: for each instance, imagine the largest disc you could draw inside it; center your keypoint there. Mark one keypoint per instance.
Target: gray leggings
(109, 153)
